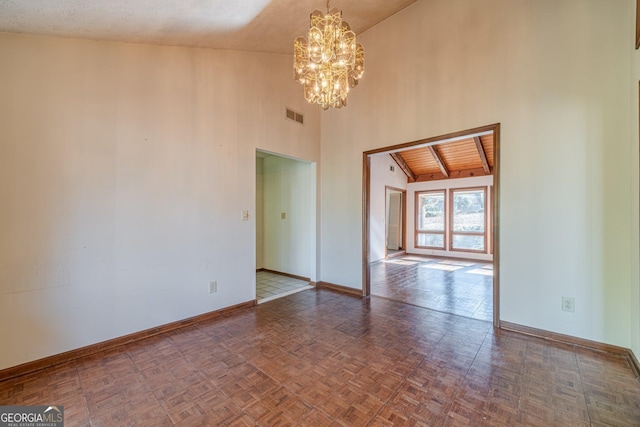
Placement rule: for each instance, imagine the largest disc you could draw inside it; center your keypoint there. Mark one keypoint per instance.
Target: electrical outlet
(569, 304)
(213, 287)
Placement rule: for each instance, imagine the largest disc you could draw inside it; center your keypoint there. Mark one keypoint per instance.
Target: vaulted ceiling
(467, 157)
(253, 25)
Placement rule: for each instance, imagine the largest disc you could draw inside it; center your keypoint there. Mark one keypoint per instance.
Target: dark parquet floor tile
(320, 358)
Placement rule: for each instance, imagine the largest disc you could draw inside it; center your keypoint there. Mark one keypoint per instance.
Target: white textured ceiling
(255, 25)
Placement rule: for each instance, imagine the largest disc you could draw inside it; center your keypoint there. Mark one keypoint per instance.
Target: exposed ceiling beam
(404, 166)
(438, 159)
(466, 173)
(483, 155)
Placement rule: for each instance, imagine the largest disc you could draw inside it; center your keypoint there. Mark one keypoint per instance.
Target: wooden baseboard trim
(293, 276)
(633, 361)
(339, 288)
(57, 359)
(622, 352)
(399, 254)
(455, 258)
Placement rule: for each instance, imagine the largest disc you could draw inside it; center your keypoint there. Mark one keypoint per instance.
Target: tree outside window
(468, 220)
(430, 219)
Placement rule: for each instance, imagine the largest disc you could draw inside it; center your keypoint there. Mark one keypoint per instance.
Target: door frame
(495, 205)
(313, 190)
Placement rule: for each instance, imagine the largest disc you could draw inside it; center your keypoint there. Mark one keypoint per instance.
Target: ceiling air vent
(296, 117)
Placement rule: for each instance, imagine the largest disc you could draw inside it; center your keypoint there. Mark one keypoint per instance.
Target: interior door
(394, 221)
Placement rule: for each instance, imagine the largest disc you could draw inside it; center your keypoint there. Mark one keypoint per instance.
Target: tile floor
(453, 286)
(272, 285)
(320, 358)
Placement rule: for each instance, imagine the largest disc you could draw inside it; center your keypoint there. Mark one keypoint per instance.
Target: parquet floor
(320, 358)
(454, 286)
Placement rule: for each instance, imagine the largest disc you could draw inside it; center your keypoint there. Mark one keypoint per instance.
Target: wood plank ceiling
(457, 159)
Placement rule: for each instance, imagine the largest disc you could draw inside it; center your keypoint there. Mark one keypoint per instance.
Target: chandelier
(329, 62)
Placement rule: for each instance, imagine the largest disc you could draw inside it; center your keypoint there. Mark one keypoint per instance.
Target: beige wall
(555, 74)
(123, 172)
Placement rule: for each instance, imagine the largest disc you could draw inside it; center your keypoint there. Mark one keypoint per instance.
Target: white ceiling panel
(254, 25)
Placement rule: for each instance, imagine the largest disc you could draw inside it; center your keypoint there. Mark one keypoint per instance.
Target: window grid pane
(468, 211)
(430, 211)
(467, 242)
(430, 240)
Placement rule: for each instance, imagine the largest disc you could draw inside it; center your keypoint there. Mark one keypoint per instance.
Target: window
(455, 219)
(430, 219)
(468, 220)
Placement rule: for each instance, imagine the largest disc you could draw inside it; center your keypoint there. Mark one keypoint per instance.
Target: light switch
(245, 215)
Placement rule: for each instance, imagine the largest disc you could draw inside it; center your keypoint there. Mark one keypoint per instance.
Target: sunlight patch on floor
(444, 267)
(483, 271)
(455, 262)
(400, 262)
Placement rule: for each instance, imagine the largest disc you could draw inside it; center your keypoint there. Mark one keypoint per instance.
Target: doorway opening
(395, 217)
(451, 254)
(285, 225)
